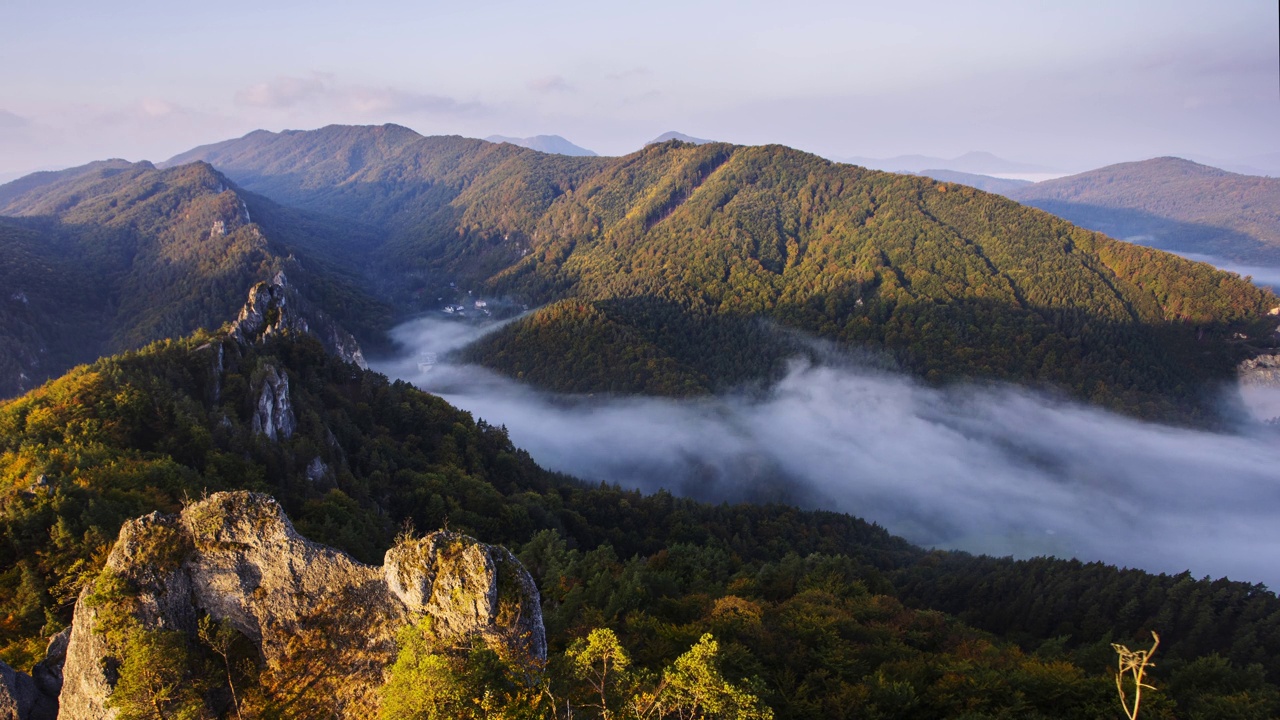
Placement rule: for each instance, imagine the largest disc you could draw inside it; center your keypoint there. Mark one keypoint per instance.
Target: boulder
(235, 557)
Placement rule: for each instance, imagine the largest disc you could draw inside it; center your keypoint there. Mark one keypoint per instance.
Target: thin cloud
(550, 84)
(285, 92)
(12, 121)
(374, 101)
(322, 91)
(629, 74)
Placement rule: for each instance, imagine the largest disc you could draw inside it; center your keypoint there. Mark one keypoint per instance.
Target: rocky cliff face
(1259, 385)
(1262, 371)
(34, 696)
(273, 415)
(235, 557)
(275, 307)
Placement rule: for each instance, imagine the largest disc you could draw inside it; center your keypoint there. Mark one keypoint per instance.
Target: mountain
(1264, 165)
(660, 267)
(111, 256)
(1171, 203)
(793, 600)
(978, 163)
(544, 143)
(673, 135)
(999, 186)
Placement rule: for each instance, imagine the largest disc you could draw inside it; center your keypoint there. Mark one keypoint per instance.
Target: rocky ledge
(275, 308)
(235, 557)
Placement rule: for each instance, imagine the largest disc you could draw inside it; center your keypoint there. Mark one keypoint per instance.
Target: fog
(991, 469)
(1266, 276)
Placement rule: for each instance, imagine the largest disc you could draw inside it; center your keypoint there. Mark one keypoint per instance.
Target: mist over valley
(865, 398)
(984, 468)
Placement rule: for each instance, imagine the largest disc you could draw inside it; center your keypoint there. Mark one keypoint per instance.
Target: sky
(1067, 85)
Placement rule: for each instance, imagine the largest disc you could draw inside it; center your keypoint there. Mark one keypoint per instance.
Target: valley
(639, 361)
(814, 385)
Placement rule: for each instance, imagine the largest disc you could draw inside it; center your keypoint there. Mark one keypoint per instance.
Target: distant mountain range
(1000, 186)
(676, 270)
(935, 277)
(1170, 203)
(544, 143)
(655, 269)
(979, 163)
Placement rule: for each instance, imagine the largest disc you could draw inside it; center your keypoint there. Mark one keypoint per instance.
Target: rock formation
(1263, 370)
(235, 557)
(273, 415)
(274, 308)
(34, 696)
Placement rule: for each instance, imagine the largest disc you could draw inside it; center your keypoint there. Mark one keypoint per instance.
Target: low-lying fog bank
(991, 470)
(1264, 276)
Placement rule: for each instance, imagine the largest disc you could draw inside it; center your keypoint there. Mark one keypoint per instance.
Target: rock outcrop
(235, 557)
(274, 308)
(34, 696)
(1263, 371)
(273, 415)
(1259, 386)
(17, 694)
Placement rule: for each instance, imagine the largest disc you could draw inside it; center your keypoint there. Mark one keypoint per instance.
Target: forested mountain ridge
(671, 255)
(110, 256)
(813, 610)
(1000, 186)
(1172, 203)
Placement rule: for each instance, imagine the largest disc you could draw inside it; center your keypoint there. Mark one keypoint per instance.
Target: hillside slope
(671, 256)
(829, 613)
(1171, 203)
(111, 256)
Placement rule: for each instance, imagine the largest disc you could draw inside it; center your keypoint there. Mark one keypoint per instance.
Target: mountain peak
(674, 135)
(553, 144)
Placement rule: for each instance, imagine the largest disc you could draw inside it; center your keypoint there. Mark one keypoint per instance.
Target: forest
(678, 270)
(811, 613)
(666, 261)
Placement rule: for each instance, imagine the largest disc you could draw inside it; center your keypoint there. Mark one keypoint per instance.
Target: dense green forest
(111, 256)
(1172, 203)
(676, 270)
(819, 614)
(666, 260)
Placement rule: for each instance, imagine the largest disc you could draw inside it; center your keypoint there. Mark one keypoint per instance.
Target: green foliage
(430, 683)
(658, 266)
(423, 684)
(107, 258)
(694, 688)
(832, 615)
(593, 680)
(159, 679)
(600, 662)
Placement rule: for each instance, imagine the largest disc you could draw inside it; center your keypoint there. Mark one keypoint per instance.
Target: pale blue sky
(1068, 84)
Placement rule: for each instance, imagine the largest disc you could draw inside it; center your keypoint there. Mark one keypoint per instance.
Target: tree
(600, 661)
(693, 689)
(160, 679)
